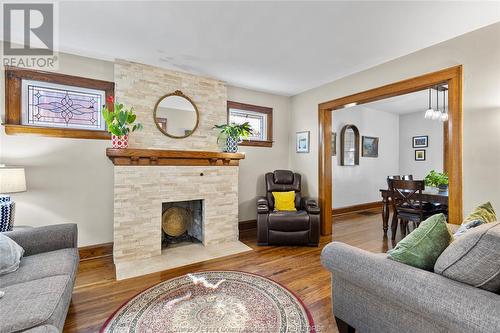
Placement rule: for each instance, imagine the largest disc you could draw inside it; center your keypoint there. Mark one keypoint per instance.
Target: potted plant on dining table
(120, 122)
(437, 179)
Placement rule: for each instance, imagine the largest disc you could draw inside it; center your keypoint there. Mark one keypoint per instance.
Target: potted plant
(233, 134)
(119, 122)
(437, 179)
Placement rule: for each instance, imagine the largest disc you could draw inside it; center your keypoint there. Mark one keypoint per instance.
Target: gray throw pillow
(473, 258)
(10, 255)
(467, 226)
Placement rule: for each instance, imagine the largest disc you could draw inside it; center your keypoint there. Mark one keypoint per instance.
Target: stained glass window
(56, 105)
(256, 120)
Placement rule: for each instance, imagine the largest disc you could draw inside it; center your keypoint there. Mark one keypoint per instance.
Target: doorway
(452, 135)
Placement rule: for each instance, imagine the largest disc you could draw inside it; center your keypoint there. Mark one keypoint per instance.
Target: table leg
(385, 214)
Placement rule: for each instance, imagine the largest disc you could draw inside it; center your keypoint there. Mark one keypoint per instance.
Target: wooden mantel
(142, 157)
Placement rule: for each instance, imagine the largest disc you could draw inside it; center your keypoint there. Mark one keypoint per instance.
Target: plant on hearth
(119, 121)
(233, 134)
(436, 179)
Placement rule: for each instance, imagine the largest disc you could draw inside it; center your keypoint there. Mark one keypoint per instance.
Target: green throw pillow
(484, 213)
(424, 245)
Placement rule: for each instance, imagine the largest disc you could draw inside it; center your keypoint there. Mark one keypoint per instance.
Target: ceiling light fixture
(444, 115)
(436, 114)
(430, 111)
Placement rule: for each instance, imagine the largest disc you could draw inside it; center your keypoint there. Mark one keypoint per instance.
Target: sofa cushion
(474, 258)
(60, 262)
(422, 246)
(10, 255)
(289, 221)
(38, 302)
(484, 212)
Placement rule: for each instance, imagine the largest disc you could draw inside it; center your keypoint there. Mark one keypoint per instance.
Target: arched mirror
(176, 115)
(349, 145)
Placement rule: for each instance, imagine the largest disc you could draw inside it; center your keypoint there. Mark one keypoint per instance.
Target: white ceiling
(281, 47)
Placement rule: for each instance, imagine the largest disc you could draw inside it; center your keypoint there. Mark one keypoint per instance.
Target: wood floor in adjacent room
(97, 294)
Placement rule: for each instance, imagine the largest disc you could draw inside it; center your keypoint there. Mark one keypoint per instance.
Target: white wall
(414, 124)
(68, 180)
(479, 53)
(260, 160)
(71, 180)
(361, 183)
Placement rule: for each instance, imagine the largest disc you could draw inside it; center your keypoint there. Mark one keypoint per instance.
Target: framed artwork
(420, 155)
(369, 146)
(334, 143)
(421, 141)
(302, 142)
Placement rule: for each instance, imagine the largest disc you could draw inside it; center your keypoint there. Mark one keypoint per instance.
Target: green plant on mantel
(235, 131)
(436, 179)
(120, 121)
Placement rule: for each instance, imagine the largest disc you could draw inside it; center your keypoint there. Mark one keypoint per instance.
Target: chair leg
(394, 225)
(404, 224)
(343, 326)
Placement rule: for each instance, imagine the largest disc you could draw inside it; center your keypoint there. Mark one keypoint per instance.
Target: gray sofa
(38, 294)
(371, 293)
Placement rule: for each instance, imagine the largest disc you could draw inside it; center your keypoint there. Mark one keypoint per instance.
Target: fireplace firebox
(182, 222)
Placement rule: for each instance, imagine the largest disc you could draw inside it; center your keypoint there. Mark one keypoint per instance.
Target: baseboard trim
(247, 225)
(95, 251)
(356, 208)
(106, 249)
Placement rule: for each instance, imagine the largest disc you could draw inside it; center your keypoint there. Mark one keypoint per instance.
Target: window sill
(255, 143)
(56, 132)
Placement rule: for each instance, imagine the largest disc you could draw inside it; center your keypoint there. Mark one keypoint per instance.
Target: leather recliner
(299, 227)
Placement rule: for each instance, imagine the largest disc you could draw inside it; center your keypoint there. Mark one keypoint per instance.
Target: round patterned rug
(214, 301)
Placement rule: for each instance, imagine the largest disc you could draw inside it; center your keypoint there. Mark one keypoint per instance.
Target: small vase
(231, 145)
(119, 141)
(442, 188)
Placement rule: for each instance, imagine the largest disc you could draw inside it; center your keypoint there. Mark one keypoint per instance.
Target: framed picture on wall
(302, 142)
(420, 155)
(369, 146)
(421, 141)
(334, 143)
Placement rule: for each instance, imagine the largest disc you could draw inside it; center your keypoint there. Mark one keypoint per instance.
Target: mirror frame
(356, 144)
(179, 94)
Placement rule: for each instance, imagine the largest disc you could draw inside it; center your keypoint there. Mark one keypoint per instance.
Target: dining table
(432, 195)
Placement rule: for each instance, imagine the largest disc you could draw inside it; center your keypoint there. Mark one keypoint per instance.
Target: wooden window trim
(13, 95)
(260, 109)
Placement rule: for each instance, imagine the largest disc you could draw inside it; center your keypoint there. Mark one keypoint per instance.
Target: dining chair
(407, 204)
(399, 177)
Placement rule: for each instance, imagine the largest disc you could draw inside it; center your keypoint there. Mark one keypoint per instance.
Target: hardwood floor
(97, 294)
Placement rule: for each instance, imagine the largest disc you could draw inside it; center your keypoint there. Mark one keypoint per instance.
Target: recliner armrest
(262, 206)
(310, 206)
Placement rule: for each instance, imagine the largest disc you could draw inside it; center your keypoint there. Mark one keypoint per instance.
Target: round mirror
(176, 115)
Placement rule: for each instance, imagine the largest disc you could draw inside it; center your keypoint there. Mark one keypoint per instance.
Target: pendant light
(430, 111)
(444, 115)
(436, 114)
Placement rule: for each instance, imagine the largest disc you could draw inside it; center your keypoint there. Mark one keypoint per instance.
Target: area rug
(213, 301)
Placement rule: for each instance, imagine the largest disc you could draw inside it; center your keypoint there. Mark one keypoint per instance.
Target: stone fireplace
(145, 186)
(158, 172)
